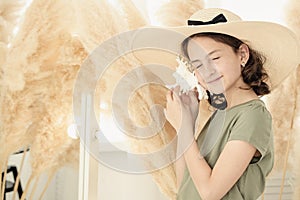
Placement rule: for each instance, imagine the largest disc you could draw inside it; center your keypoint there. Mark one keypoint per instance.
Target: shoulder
(253, 124)
(254, 111)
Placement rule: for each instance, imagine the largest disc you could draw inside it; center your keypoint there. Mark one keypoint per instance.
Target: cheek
(229, 69)
(201, 80)
(231, 74)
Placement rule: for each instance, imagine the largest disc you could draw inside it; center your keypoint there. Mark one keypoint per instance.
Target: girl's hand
(181, 110)
(191, 99)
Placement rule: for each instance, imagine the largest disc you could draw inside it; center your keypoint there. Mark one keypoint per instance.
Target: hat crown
(210, 13)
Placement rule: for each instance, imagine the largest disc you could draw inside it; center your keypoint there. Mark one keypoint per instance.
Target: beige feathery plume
(37, 106)
(282, 126)
(140, 105)
(35, 39)
(296, 150)
(9, 15)
(53, 40)
(141, 101)
(132, 15)
(3, 51)
(176, 12)
(96, 21)
(60, 56)
(293, 21)
(106, 86)
(291, 141)
(291, 15)
(40, 82)
(145, 98)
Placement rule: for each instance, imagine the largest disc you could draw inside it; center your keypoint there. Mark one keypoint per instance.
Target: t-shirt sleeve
(255, 127)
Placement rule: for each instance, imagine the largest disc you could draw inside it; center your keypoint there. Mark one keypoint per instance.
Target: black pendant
(218, 101)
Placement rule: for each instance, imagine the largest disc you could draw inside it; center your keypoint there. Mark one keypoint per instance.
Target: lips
(215, 79)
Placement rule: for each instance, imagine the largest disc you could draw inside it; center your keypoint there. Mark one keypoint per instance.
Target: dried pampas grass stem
(34, 187)
(19, 174)
(50, 177)
(288, 145)
(4, 180)
(31, 178)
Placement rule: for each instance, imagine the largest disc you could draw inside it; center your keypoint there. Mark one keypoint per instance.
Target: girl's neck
(239, 96)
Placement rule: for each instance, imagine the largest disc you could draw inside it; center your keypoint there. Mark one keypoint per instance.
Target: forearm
(179, 167)
(200, 171)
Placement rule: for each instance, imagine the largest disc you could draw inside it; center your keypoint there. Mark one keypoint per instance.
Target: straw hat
(277, 43)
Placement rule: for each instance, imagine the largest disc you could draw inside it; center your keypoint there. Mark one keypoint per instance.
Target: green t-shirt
(250, 122)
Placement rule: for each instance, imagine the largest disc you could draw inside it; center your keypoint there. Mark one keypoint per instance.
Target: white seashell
(186, 80)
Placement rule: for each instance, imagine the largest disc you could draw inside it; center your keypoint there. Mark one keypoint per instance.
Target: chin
(216, 88)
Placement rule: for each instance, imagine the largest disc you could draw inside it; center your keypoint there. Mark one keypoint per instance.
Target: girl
(227, 57)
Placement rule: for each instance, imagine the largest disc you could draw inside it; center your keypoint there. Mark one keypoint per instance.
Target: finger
(192, 94)
(177, 90)
(185, 98)
(176, 97)
(196, 93)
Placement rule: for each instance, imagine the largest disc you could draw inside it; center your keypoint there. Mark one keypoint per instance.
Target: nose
(211, 70)
(208, 70)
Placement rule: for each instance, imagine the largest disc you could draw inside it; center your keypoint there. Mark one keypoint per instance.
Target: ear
(244, 54)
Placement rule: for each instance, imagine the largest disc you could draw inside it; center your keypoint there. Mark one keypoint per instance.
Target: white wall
(102, 182)
(115, 185)
(266, 10)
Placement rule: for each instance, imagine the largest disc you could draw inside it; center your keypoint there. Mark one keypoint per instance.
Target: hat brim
(276, 43)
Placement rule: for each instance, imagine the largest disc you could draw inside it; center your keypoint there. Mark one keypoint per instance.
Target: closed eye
(195, 65)
(198, 66)
(215, 58)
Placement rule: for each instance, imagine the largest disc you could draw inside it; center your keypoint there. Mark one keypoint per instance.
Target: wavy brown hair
(254, 74)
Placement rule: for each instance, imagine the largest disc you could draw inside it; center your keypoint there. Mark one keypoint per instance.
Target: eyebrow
(210, 53)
